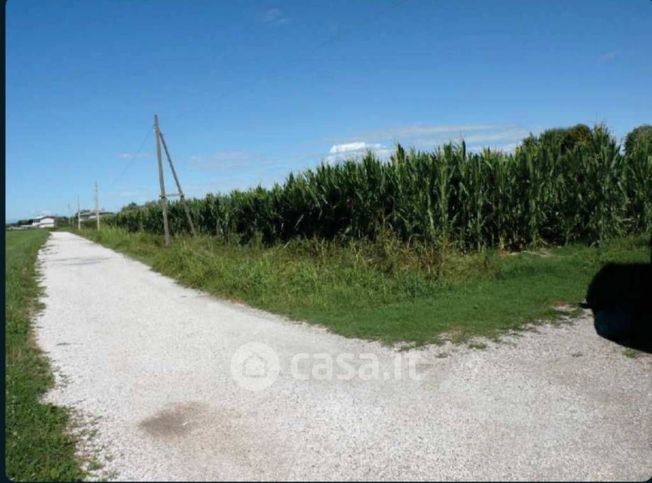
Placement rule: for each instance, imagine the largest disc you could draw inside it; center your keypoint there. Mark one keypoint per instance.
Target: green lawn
(383, 291)
(37, 444)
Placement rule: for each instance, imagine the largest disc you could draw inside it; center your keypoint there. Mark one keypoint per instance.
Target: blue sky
(248, 91)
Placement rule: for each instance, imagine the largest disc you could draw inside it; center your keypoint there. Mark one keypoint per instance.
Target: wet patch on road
(175, 421)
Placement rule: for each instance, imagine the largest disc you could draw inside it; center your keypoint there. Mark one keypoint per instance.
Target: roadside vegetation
(38, 446)
(564, 186)
(383, 290)
(421, 246)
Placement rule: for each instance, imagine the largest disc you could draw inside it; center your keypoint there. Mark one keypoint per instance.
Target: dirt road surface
(174, 394)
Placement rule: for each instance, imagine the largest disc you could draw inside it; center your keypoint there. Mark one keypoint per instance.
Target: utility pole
(176, 180)
(97, 207)
(78, 215)
(164, 200)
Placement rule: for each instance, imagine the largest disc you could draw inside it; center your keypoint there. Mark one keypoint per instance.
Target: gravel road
(174, 395)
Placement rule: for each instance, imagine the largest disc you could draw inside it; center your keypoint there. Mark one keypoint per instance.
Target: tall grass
(38, 446)
(551, 190)
(382, 290)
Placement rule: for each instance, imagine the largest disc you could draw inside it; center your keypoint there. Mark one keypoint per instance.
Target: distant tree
(566, 139)
(641, 134)
(578, 135)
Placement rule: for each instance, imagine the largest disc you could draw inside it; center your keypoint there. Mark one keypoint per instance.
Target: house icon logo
(255, 366)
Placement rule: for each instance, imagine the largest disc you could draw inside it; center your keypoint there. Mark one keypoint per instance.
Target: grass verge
(384, 290)
(38, 446)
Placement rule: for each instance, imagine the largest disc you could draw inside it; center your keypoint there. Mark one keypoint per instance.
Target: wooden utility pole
(97, 207)
(176, 180)
(78, 215)
(164, 200)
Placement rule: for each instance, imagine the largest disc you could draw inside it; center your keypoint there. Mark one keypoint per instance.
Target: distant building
(46, 221)
(88, 215)
(84, 215)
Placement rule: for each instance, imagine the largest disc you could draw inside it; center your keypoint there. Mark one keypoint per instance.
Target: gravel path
(175, 396)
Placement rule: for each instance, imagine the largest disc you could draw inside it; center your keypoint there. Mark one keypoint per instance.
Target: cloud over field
(352, 150)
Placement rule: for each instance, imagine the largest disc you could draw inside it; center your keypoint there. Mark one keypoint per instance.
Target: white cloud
(504, 137)
(506, 148)
(421, 130)
(130, 156)
(511, 134)
(429, 136)
(497, 136)
(274, 17)
(352, 147)
(353, 150)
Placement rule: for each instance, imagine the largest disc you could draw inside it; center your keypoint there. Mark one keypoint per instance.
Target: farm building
(88, 215)
(46, 221)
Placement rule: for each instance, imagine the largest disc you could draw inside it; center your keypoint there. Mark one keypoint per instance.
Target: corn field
(543, 193)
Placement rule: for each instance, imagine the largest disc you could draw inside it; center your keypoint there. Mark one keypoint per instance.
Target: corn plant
(560, 187)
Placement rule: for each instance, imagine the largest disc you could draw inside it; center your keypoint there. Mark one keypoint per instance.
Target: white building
(46, 221)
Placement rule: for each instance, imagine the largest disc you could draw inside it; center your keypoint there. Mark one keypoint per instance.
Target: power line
(307, 54)
(131, 161)
(253, 80)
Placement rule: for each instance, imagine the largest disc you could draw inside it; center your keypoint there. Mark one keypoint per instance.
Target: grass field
(38, 447)
(384, 290)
